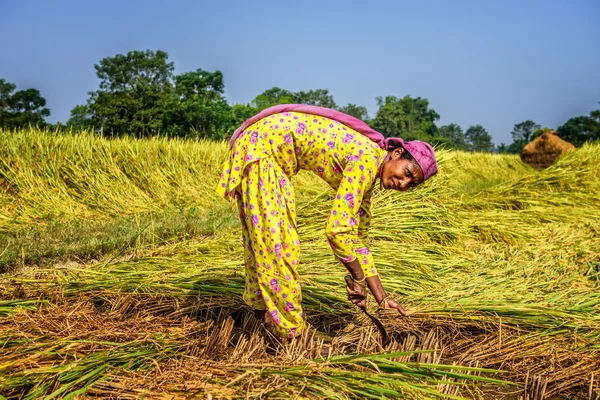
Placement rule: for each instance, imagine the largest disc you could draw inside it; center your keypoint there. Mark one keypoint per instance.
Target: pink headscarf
(422, 152)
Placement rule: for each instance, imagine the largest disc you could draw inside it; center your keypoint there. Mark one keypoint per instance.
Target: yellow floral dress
(257, 174)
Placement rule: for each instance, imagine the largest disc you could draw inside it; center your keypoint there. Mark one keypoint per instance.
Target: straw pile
(501, 274)
(545, 149)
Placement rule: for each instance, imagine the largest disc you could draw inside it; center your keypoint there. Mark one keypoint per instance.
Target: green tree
(6, 91)
(522, 133)
(502, 149)
(199, 107)
(453, 136)
(275, 95)
(579, 130)
(21, 108)
(356, 111)
(272, 97)
(478, 139)
(407, 117)
(240, 113)
(135, 93)
(318, 97)
(595, 115)
(81, 118)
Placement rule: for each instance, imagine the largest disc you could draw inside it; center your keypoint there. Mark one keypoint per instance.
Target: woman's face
(399, 173)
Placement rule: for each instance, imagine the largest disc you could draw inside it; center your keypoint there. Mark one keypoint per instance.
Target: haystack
(541, 152)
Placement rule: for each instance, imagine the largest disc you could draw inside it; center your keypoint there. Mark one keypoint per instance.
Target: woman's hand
(389, 303)
(357, 294)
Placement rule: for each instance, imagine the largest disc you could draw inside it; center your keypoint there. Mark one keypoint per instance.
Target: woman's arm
(347, 224)
(350, 216)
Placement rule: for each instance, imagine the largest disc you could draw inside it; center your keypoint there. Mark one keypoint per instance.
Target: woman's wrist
(381, 298)
(376, 288)
(382, 302)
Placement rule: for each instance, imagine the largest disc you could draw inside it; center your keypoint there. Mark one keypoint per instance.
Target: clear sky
(494, 63)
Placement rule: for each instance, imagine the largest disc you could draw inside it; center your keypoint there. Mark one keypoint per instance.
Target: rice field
(122, 277)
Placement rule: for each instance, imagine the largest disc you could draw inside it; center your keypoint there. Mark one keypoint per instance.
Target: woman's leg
(268, 200)
(251, 295)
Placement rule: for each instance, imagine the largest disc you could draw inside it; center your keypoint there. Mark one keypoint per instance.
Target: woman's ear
(396, 153)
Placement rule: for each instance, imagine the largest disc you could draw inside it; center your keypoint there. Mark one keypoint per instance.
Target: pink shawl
(348, 120)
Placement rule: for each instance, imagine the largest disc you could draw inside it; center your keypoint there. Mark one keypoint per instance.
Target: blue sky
(493, 63)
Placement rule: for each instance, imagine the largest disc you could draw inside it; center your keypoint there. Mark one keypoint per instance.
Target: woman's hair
(407, 155)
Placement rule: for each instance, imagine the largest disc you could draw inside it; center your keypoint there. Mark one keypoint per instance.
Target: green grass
(85, 240)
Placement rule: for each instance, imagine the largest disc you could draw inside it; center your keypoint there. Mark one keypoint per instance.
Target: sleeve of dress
(350, 215)
(364, 222)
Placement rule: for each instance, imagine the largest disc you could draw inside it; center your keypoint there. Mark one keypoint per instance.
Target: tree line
(139, 95)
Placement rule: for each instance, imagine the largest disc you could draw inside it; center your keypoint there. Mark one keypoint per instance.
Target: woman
(271, 147)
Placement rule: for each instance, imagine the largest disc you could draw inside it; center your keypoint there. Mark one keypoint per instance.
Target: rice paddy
(122, 278)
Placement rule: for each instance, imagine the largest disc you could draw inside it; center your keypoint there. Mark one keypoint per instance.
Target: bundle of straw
(542, 151)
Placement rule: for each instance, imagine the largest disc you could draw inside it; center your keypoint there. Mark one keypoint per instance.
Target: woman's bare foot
(264, 316)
